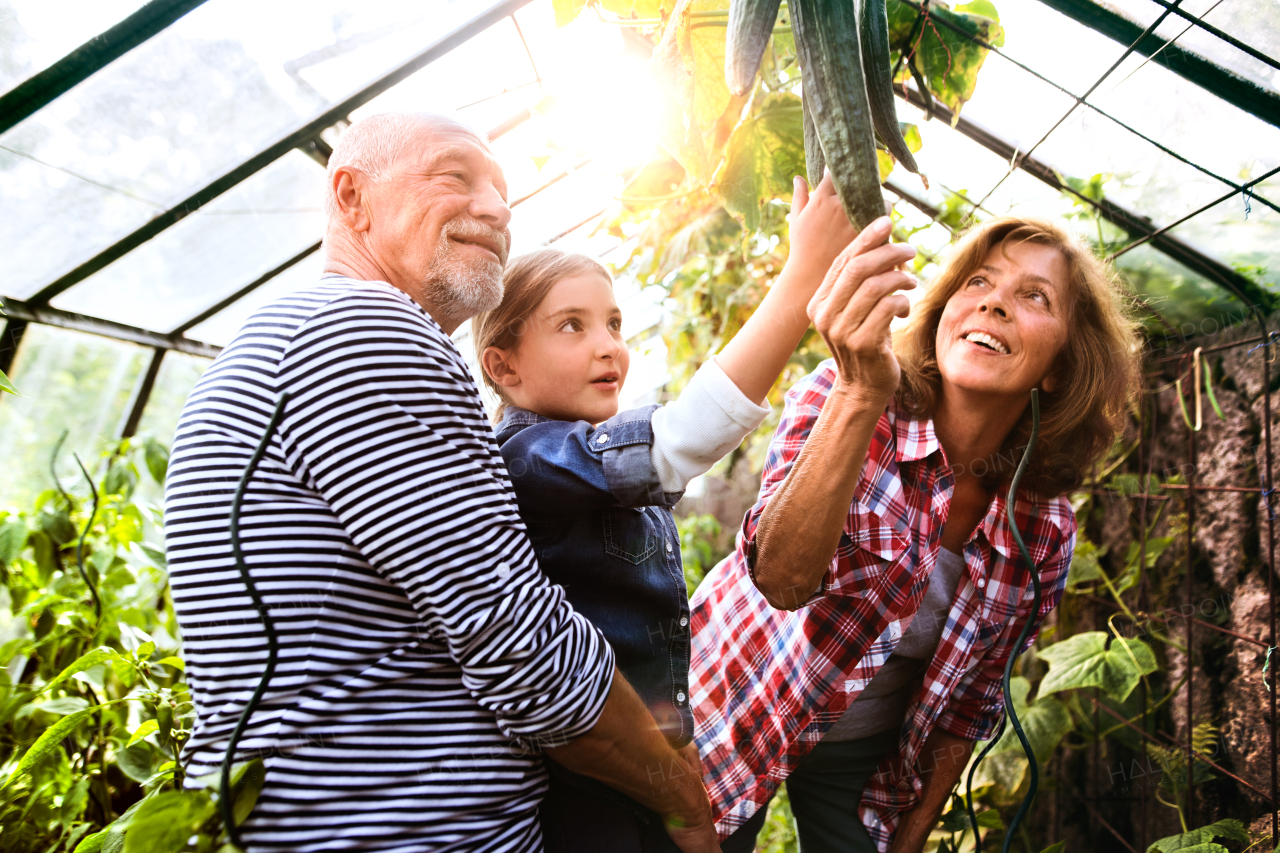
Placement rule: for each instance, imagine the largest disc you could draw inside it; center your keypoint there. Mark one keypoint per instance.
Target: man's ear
(350, 193)
(500, 367)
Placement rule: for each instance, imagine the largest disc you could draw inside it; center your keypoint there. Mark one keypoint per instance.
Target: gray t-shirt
(882, 704)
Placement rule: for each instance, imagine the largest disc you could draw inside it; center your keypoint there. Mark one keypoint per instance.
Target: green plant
(698, 535)
(93, 709)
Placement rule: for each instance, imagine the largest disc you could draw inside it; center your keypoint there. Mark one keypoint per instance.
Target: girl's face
(1002, 330)
(571, 361)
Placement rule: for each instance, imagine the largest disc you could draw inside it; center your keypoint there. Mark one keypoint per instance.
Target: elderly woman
(854, 643)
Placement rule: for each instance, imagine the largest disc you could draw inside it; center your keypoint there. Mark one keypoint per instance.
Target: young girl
(595, 487)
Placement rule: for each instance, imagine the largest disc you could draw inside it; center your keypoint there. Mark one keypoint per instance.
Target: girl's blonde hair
(525, 283)
(1098, 369)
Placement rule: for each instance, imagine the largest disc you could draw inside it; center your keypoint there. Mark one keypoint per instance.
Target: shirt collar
(515, 419)
(914, 438)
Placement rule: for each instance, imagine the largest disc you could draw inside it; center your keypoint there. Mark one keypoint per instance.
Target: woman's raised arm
(800, 528)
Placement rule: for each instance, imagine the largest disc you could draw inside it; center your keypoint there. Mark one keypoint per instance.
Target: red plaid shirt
(766, 684)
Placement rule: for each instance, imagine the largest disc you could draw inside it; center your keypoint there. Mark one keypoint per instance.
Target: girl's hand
(854, 306)
(819, 228)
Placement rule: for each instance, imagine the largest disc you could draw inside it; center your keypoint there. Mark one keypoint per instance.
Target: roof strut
(298, 137)
(38, 90)
(1134, 224)
(1232, 88)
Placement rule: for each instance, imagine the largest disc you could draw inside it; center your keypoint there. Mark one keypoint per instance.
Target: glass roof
(232, 77)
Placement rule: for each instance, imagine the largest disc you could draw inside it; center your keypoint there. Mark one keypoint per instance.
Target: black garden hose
(1010, 715)
(225, 801)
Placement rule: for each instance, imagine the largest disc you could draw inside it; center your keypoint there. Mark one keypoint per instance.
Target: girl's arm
(819, 232)
(721, 406)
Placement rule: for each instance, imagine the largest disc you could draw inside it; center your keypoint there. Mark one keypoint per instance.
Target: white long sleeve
(707, 421)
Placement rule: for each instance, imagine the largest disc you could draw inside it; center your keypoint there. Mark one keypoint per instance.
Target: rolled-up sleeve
(978, 702)
(380, 424)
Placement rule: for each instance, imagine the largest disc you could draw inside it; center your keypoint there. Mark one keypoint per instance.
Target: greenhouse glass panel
(563, 206)
(222, 247)
(187, 106)
(1256, 23)
(1153, 100)
(222, 327)
(488, 64)
(70, 382)
(35, 34)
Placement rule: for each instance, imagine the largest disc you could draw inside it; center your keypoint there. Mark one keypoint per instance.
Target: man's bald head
(418, 201)
(374, 145)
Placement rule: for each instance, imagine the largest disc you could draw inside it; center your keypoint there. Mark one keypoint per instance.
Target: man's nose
(488, 206)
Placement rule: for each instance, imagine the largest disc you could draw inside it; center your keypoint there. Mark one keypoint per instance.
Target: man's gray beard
(462, 287)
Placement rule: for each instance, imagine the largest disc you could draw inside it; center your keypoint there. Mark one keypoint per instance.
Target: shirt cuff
(708, 420)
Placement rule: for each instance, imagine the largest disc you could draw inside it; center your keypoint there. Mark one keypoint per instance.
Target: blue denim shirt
(602, 528)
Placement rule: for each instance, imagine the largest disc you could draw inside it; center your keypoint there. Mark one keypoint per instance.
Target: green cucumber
(750, 26)
(813, 160)
(873, 36)
(826, 34)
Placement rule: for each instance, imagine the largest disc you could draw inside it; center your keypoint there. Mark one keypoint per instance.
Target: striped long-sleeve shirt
(425, 660)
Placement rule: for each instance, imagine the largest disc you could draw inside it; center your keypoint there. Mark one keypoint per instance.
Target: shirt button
(982, 582)
(668, 546)
(684, 620)
(604, 436)
(503, 569)
(680, 697)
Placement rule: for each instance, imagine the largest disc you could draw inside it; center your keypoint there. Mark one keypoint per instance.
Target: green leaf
(1055, 848)
(763, 156)
(157, 457)
(147, 728)
(163, 823)
(7, 386)
(138, 762)
(93, 844)
(986, 9)
(13, 538)
(246, 785)
(1084, 563)
(567, 10)
(990, 819)
(57, 524)
(49, 741)
(61, 705)
(1045, 723)
(1201, 840)
(121, 479)
(85, 661)
(173, 661)
(911, 135)
(145, 651)
(1085, 661)
(698, 109)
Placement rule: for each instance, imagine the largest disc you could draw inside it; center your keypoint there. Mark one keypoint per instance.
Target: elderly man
(425, 664)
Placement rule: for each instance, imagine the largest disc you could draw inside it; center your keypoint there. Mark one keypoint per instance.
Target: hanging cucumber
(873, 36)
(750, 26)
(813, 159)
(826, 34)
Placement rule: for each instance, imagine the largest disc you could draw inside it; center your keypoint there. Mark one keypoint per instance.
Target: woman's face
(1002, 330)
(571, 361)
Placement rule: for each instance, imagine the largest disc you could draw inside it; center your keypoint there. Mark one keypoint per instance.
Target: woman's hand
(854, 306)
(819, 228)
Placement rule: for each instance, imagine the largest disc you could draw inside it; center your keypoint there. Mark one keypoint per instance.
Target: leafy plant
(698, 535)
(93, 709)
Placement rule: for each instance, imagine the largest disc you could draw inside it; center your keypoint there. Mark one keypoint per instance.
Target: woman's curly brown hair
(1098, 368)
